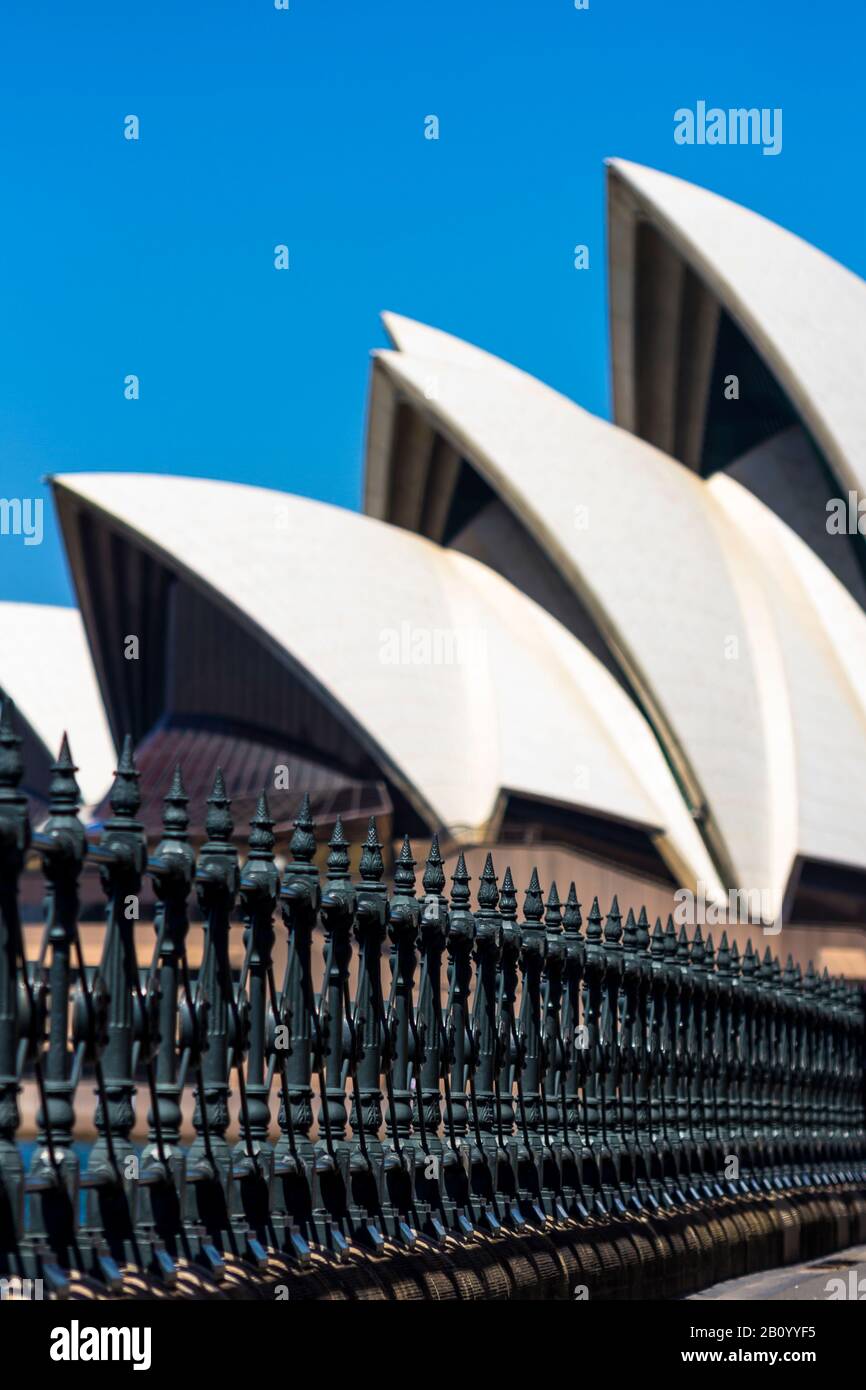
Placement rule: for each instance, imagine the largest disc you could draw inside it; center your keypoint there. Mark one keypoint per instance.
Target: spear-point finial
(434, 874)
(371, 866)
(7, 727)
(508, 897)
(572, 920)
(750, 961)
(218, 819)
(460, 880)
(533, 901)
(338, 859)
(723, 957)
(629, 935)
(683, 947)
(553, 910)
(670, 939)
(613, 925)
(64, 797)
(175, 820)
(302, 845)
(736, 963)
(593, 924)
(657, 942)
(488, 893)
(765, 967)
(790, 976)
(697, 952)
(125, 797)
(11, 761)
(404, 870)
(643, 939)
(127, 759)
(709, 953)
(261, 839)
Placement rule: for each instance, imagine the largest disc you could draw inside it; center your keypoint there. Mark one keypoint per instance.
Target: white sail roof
(47, 671)
(699, 590)
(804, 312)
(459, 685)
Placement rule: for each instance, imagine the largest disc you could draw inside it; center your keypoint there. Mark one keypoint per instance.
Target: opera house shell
(634, 648)
(48, 673)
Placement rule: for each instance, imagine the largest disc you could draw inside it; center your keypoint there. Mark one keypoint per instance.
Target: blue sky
(306, 127)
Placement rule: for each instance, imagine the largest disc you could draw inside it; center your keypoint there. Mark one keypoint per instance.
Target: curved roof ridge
(650, 526)
(802, 309)
(818, 676)
(643, 175)
(425, 340)
(443, 733)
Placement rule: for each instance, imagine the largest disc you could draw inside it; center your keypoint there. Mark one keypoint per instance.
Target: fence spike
(567, 1113)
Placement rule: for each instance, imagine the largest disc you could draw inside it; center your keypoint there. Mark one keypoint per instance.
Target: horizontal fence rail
(513, 1105)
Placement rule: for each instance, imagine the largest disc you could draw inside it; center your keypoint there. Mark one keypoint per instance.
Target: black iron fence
(533, 1106)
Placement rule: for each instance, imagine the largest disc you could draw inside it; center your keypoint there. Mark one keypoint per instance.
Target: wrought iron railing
(534, 1107)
